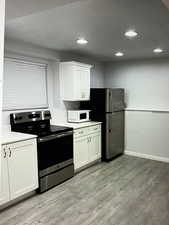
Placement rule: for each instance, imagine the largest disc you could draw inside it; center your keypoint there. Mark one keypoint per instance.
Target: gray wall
(146, 82)
(147, 96)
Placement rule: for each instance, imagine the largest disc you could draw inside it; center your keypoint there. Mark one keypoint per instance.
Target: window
(25, 85)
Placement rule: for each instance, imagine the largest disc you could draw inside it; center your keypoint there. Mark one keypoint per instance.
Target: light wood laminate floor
(126, 191)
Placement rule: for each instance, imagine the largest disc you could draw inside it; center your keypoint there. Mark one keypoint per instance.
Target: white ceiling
(20, 8)
(57, 24)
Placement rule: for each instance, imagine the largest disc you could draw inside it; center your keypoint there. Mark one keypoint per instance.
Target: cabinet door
(23, 171)
(95, 147)
(82, 86)
(4, 183)
(80, 152)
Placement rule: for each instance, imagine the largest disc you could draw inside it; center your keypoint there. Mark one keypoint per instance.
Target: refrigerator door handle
(109, 99)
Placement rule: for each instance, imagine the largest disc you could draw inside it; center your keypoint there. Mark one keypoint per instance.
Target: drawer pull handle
(4, 153)
(10, 153)
(89, 139)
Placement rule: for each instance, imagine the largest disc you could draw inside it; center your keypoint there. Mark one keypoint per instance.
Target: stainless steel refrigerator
(107, 105)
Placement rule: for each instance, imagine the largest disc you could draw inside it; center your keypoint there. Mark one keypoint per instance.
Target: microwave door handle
(56, 136)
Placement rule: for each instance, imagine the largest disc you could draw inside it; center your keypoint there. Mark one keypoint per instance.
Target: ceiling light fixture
(131, 33)
(119, 54)
(158, 50)
(82, 41)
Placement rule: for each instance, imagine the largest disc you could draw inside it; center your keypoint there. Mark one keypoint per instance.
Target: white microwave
(78, 116)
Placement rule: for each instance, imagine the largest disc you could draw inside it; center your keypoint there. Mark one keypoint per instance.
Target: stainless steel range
(55, 146)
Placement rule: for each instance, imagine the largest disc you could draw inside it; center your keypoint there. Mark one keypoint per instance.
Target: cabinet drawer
(94, 129)
(81, 132)
(21, 144)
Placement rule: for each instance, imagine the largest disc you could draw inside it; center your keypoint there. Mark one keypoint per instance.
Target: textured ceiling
(102, 22)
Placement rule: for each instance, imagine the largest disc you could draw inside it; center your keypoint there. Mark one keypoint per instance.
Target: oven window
(55, 151)
(83, 116)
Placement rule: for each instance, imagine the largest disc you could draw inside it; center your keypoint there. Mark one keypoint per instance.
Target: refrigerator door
(114, 134)
(115, 100)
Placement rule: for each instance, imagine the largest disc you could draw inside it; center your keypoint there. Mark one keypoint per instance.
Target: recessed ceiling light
(119, 54)
(158, 50)
(82, 41)
(131, 33)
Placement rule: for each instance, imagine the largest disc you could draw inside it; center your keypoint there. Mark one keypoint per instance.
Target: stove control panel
(24, 117)
(46, 115)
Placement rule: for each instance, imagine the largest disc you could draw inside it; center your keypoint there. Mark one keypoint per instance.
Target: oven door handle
(55, 136)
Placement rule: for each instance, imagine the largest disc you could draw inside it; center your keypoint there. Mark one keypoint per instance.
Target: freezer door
(114, 134)
(115, 100)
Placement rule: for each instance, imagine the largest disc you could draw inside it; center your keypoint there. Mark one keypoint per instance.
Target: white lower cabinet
(87, 146)
(95, 147)
(4, 184)
(19, 169)
(80, 152)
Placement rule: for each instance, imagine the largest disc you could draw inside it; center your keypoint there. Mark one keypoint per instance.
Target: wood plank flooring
(126, 191)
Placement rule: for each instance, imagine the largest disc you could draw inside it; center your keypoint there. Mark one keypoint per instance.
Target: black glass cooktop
(37, 123)
(41, 130)
(52, 130)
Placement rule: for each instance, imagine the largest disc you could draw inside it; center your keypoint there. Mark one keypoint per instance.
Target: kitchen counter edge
(78, 125)
(12, 137)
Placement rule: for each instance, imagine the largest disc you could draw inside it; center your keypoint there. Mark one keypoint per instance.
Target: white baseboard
(147, 156)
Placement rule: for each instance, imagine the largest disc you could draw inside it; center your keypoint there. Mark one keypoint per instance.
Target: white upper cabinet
(75, 81)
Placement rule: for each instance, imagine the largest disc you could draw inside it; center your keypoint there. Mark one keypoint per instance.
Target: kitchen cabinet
(94, 147)
(75, 81)
(19, 169)
(80, 152)
(4, 184)
(87, 146)
(2, 23)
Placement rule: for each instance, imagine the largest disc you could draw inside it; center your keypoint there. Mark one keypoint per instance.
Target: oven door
(55, 152)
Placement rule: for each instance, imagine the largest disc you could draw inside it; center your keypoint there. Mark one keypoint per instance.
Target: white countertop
(77, 125)
(10, 137)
